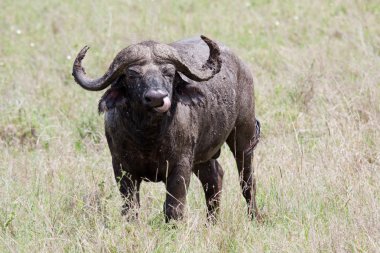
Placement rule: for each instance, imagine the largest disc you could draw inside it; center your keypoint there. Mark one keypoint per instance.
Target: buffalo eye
(168, 72)
(133, 74)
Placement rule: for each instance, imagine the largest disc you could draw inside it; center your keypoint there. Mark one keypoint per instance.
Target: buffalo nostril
(155, 98)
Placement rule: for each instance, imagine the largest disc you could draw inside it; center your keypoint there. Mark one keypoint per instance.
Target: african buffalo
(168, 111)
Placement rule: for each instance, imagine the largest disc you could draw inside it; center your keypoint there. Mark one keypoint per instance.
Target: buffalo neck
(144, 129)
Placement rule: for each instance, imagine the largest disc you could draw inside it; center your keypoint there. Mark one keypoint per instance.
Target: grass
(316, 66)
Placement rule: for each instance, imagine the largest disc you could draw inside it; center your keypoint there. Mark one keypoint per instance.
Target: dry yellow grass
(317, 71)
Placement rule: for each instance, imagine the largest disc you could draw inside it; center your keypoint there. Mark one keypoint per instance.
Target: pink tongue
(165, 107)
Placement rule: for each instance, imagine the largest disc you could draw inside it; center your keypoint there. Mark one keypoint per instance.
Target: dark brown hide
(203, 97)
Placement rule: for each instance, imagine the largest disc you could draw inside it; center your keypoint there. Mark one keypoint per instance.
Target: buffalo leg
(177, 185)
(129, 189)
(241, 141)
(211, 176)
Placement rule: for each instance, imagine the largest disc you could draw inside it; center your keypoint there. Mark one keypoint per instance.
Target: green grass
(316, 67)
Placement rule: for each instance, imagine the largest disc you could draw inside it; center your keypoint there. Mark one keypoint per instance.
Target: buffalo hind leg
(211, 176)
(241, 142)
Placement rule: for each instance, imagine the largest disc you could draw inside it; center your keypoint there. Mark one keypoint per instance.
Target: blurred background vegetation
(317, 86)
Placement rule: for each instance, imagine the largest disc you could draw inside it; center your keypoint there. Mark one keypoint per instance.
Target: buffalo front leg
(177, 184)
(211, 176)
(129, 189)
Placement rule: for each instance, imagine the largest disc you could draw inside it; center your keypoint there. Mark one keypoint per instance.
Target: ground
(317, 86)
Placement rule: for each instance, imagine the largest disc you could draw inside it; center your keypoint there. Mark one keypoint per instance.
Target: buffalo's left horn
(197, 73)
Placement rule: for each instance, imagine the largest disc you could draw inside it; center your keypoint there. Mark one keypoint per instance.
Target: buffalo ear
(113, 97)
(188, 91)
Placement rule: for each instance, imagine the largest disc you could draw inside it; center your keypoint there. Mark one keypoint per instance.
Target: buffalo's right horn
(123, 59)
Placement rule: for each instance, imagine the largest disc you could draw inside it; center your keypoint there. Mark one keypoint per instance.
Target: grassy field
(317, 77)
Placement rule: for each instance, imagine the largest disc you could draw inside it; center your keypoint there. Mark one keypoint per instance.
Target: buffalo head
(144, 75)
